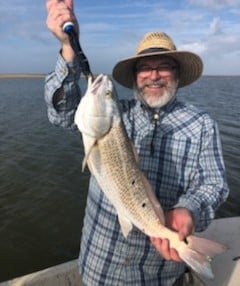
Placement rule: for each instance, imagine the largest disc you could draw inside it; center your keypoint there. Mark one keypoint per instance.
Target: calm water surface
(42, 188)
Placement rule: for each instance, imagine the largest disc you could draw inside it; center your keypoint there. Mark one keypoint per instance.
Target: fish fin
(126, 225)
(87, 153)
(199, 253)
(84, 163)
(90, 166)
(198, 262)
(206, 246)
(90, 81)
(153, 199)
(135, 152)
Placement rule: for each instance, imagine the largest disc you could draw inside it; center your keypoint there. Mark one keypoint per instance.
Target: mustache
(161, 82)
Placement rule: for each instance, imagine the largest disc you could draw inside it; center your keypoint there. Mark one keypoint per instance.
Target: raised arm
(62, 92)
(60, 12)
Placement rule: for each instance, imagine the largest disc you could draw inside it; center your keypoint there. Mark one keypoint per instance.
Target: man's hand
(60, 12)
(180, 220)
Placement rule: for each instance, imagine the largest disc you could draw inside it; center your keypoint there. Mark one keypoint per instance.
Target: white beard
(158, 101)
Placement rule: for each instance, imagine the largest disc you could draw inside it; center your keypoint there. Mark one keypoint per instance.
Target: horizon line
(42, 75)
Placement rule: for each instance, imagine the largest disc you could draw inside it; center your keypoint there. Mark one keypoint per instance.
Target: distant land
(21, 75)
(41, 75)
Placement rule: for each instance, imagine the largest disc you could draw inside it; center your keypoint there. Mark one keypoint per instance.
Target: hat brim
(190, 66)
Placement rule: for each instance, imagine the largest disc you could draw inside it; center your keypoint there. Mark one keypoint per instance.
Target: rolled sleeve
(62, 93)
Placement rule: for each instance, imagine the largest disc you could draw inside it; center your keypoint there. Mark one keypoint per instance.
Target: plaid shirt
(180, 153)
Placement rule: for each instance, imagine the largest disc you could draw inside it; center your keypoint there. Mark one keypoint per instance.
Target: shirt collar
(161, 111)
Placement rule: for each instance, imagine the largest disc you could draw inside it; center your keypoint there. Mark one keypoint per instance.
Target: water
(42, 188)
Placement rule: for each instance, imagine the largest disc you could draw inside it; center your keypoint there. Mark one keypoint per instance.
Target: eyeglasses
(146, 70)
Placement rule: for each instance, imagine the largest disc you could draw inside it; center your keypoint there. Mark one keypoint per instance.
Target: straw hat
(159, 43)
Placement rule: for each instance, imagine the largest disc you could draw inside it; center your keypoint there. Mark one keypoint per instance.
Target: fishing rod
(68, 28)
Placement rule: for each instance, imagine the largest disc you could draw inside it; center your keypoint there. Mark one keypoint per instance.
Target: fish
(112, 159)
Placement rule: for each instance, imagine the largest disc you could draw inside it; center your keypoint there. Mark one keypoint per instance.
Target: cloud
(110, 30)
(197, 47)
(215, 3)
(215, 27)
(19, 19)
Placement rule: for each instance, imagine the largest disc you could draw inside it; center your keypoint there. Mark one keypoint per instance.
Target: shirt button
(135, 232)
(64, 71)
(127, 261)
(73, 71)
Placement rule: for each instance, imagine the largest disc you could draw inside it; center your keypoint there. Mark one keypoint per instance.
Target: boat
(226, 266)
(65, 274)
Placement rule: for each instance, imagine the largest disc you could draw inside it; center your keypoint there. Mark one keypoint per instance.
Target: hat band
(153, 50)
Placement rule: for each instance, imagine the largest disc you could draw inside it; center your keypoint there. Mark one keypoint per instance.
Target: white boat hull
(65, 274)
(226, 266)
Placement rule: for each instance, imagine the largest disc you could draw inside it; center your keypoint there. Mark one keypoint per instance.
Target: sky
(110, 31)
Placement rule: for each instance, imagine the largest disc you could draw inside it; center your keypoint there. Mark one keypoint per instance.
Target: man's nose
(155, 74)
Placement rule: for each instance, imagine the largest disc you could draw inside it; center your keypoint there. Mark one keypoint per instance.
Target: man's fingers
(50, 3)
(174, 255)
(185, 231)
(69, 4)
(163, 247)
(65, 3)
(58, 14)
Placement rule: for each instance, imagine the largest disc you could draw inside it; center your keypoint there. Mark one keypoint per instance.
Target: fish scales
(113, 163)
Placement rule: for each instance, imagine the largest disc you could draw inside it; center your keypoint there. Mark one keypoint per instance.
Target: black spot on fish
(133, 182)
(144, 205)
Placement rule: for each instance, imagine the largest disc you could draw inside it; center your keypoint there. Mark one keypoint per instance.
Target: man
(179, 150)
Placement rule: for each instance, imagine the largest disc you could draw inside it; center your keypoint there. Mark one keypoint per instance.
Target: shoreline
(21, 75)
(42, 75)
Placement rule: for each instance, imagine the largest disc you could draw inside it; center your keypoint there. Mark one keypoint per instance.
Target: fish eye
(108, 93)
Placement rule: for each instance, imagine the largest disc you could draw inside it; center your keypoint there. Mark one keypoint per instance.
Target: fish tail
(199, 253)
